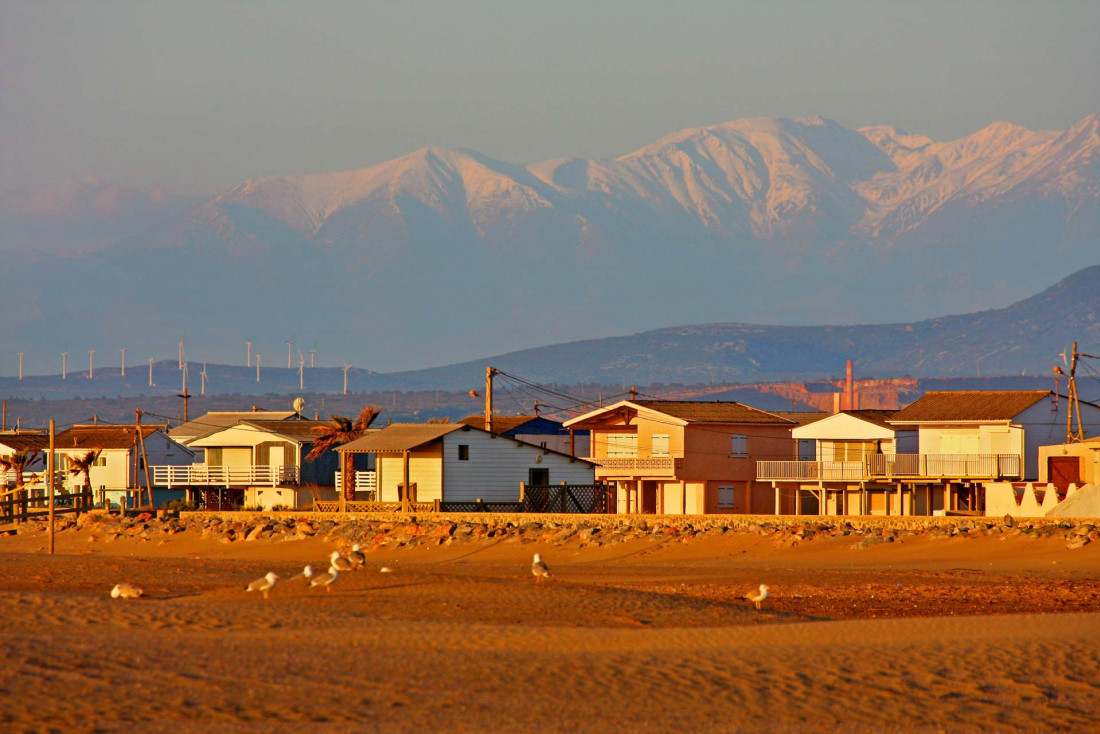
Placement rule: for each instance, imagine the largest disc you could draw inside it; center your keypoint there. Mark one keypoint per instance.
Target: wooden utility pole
(489, 372)
(144, 460)
(405, 494)
(49, 472)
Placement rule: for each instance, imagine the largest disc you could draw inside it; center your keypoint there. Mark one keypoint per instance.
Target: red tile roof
(969, 406)
(694, 411)
(102, 437)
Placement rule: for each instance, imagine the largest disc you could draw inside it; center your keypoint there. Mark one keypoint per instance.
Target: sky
(198, 96)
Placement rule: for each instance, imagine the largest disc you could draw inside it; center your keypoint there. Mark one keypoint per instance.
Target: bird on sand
(385, 569)
(358, 560)
(339, 562)
(307, 573)
(756, 597)
(326, 579)
(539, 569)
(126, 591)
(265, 584)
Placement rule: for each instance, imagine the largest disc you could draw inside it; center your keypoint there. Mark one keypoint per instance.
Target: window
(622, 444)
(660, 445)
(100, 460)
(725, 497)
(739, 445)
(463, 452)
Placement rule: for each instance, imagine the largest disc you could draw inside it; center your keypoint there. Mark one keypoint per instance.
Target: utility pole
(123, 361)
(489, 372)
(20, 365)
(64, 363)
(91, 363)
(49, 471)
(249, 353)
(346, 368)
(144, 459)
(151, 373)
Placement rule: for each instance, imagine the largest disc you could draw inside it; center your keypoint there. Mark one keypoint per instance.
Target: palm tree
(344, 430)
(17, 463)
(83, 465)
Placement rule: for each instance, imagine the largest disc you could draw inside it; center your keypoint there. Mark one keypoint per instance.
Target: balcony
(627, 466)
(197, 475)
(894, 466)
(365, 481)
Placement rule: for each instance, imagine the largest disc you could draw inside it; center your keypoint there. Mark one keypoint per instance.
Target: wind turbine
(203, 376)
(20, 365)
(181, 354)
(91, 363)
(249, 345)
(257, 367)
(64, 364)
(301, 370)
(288, 354)
(346, 368)
(123, 362)
(312, 358)
(151, 384)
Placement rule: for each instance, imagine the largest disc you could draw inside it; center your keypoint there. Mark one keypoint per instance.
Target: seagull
(356, 557)
(126, 591)
(307, 573)
(385, 569)
(325, 579)
(539, 569)
(758, 597)
(265, 584)
(338, 562)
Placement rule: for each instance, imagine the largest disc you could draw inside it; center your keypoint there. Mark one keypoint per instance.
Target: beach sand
(947, 634)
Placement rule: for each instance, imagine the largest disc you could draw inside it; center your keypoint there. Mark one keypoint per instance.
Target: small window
(725, 497)
(739, 445)
(622, 444)
(659, 446)
(463, 452)
(100, 460)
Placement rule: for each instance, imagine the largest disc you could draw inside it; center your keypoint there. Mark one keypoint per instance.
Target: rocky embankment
(376, 531)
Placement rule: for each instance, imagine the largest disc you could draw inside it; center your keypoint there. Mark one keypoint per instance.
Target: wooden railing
(890, 466)
(357, 506)
(21, 505)
(224, 476)
(365, 481)
(665, 466)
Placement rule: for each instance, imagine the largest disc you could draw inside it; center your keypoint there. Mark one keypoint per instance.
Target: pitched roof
(401, 437)
(25, 441)
(216, 420)
(299, 430)
(694, 411)
(501, 423)
(877, 417)
(102, 437)
(969, 406)
(802, 417)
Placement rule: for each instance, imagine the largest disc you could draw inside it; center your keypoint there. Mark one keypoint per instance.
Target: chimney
(849, 390)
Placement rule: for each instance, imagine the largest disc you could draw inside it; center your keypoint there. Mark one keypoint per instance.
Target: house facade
(14, 442)
(686, 457)
(536, 430)
(461, 463)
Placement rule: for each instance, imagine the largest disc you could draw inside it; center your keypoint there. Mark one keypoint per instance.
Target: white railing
(661, 466)
(365, 481)
(885, 466)
(223, 476)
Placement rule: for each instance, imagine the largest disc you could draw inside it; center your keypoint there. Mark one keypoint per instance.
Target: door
(538, 477)
(649, 498)
(276, 457)
(1063, 471)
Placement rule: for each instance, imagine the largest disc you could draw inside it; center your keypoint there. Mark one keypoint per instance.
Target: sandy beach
(944, 634)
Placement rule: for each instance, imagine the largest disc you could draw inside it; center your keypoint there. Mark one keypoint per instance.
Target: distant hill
(1024, 339)
(445, 255)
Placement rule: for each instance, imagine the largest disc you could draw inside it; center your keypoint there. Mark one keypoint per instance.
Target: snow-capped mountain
(446, 254)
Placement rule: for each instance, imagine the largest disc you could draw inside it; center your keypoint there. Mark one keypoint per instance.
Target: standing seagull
(307, 573)
(757, 597)
(339, 562)
(539, 569)
(126, 591)
(325, 579)
(265, 584)
(356, 557)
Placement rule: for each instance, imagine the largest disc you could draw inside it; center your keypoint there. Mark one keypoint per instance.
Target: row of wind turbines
(183, 365)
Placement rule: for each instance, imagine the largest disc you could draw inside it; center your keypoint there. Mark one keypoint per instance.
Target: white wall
(497, 465)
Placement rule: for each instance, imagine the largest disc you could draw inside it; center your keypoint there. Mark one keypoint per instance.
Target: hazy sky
(198, 96)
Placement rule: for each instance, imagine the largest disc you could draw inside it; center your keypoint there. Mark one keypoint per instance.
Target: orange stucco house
(686, 457)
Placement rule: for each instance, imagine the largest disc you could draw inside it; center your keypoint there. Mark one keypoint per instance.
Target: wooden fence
(579, 499)
(21, 505)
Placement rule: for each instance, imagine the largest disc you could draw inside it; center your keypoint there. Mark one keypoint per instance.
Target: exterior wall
(498, 464)
(1088, 454)
(557, 442)
(425, 471)
(841, 427)
(1046, 427)
(708, 454)
(118, 463)
(994, 438)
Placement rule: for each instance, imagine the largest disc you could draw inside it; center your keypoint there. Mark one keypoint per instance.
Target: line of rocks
(595, 531)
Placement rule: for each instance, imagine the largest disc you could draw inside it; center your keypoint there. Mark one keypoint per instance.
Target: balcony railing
(664, 466)
(365, 481)
(224, 476)
(894, 466)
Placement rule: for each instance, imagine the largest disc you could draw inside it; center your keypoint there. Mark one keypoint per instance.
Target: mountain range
(445, 255)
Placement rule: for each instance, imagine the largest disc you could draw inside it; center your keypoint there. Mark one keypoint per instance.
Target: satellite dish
(299, 403)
